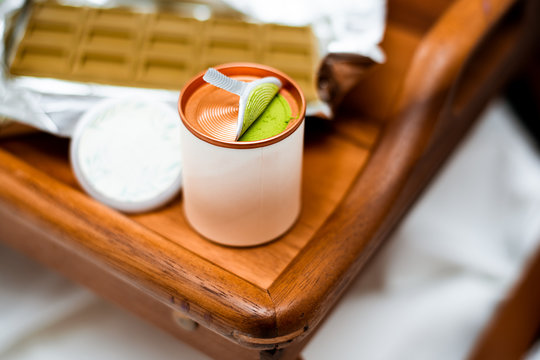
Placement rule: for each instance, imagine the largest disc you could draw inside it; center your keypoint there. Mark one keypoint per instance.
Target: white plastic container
(240, 193)
(124, 153)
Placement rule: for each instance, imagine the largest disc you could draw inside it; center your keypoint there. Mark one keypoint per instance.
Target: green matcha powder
(271, 122)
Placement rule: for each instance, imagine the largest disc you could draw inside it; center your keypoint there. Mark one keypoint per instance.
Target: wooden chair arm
(408, 153)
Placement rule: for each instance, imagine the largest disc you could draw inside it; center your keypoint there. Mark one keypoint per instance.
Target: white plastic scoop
(254, 96)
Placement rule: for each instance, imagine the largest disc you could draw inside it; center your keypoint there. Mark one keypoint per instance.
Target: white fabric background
(427, 294)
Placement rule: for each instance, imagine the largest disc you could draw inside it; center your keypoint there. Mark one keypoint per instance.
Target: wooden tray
(361, 174)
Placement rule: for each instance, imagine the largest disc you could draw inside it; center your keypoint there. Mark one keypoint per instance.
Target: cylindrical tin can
(239, 193)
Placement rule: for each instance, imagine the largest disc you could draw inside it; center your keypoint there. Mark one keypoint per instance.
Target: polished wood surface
(515, 326)
(362, 172)
(330, 164)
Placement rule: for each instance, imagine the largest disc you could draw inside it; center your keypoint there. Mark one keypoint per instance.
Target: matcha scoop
(254, 96)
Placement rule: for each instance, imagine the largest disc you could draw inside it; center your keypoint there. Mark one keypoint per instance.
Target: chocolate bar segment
(154, 50)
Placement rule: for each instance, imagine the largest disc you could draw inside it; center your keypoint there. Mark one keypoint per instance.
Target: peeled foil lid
(214, 112)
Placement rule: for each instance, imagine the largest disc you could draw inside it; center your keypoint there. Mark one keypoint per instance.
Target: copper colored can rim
(231, 69)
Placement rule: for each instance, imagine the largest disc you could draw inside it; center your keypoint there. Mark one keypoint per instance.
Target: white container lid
(126, 153)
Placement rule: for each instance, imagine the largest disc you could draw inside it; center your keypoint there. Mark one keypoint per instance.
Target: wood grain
(137, 255)
(361, 174)
(329, 168)
(374, 96)
(400, 166)
(515, 325)
(78, 268)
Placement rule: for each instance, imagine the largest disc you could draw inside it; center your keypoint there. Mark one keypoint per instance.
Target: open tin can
(239, 193)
